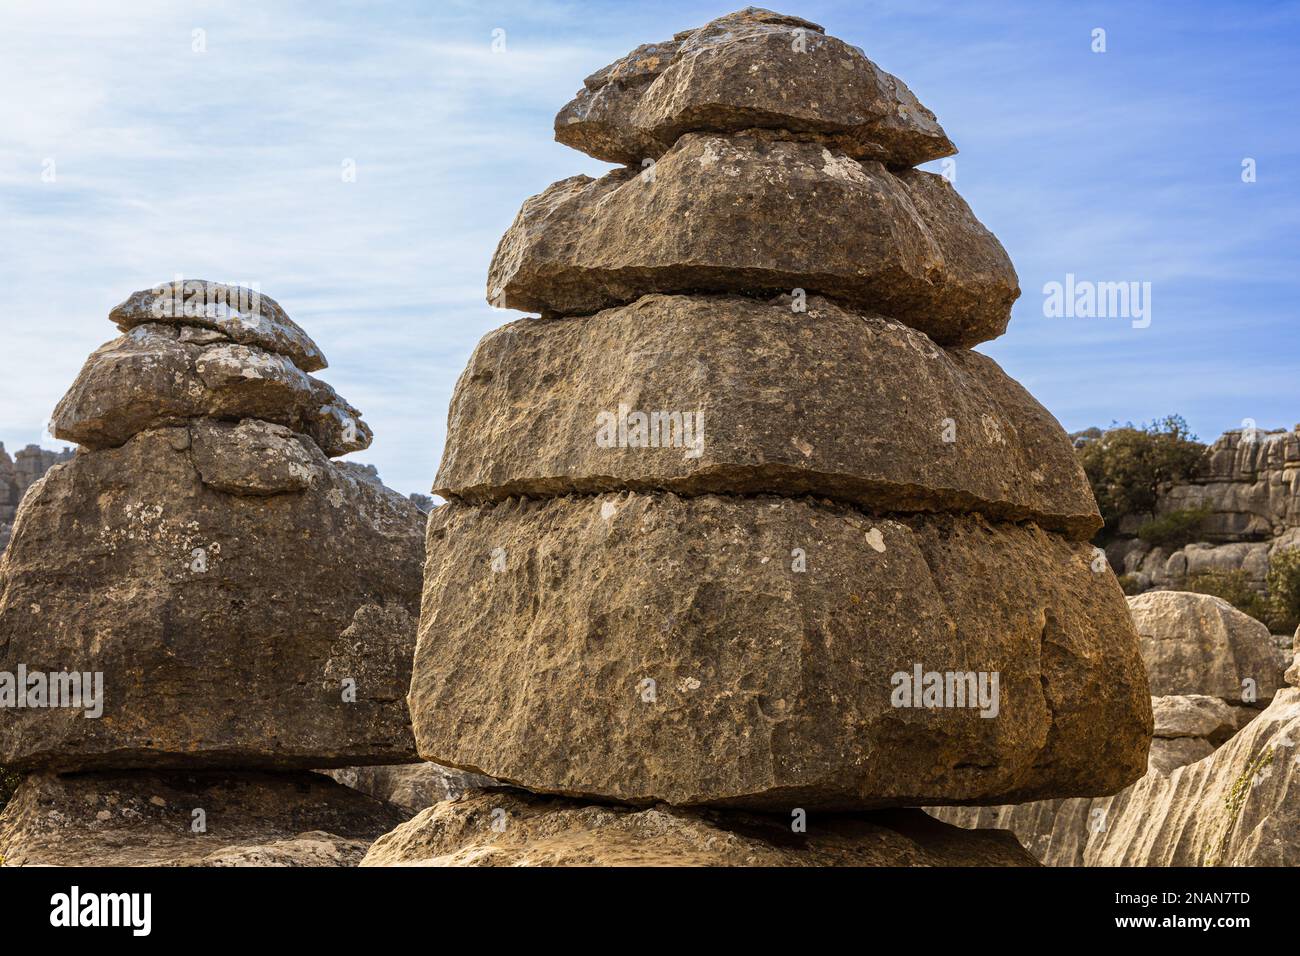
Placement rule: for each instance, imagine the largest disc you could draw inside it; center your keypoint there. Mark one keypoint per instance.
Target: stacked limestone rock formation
(1221, 707)
(250, 603)
(742, 473)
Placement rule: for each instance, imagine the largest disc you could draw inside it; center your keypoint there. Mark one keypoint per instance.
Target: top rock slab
(243, 315)
(753, 68)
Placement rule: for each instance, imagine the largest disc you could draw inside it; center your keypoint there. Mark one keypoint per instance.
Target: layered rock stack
(236, 607)
(725, 515)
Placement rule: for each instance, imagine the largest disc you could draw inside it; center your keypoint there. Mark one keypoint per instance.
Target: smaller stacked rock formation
(1214, 671)
(742, 474)
(19, 473)
(249, 603)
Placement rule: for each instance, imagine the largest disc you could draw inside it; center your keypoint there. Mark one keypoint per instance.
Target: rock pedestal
(740, 522)
(233, 599)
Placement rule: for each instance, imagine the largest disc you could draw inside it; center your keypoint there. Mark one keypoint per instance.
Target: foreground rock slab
(750, 69)
(248, 603)
(746, 651)
(150, 819)
(511, 828)
(757, 212)
(776, 402)
(1237, 807)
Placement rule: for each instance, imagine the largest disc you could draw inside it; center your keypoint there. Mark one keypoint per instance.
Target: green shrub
(1129, 465)
(1175, 528)
(1284, 592)
(1233, 587)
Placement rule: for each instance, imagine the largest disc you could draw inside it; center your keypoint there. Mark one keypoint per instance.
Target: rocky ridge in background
(250, 604)
(1248, 484)
(687, 620)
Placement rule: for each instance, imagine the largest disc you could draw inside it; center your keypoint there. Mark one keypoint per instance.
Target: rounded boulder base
(760, 213)
(755, 652)
(726, 394)
(512, 828)
(239, 599)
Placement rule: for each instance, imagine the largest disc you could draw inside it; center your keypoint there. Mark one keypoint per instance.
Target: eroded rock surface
(152, 377)
(778, 403)
(212, 312)
(226, 588)
(412, 786)
(511, 828)
(768, 686)
(1200, 644)
(189, 819)
(747, 70)
(758, 212)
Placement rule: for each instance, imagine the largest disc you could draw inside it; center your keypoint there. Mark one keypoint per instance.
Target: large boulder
(749, 652)
(248, 602)
(1200, 644)
(758, 212)
(778, 403)
(189, 819)
(747, 70)
(511, 828)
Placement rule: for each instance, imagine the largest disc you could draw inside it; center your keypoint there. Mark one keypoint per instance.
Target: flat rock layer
(744, 71)
(519, 829)
(746, 652)
(745, 396)
(248, 602)
(189, 819)
(154, 375)
(760, 213)
(240, 314)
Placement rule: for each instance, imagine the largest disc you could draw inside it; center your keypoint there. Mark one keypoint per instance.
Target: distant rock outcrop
(1248, 486)
(19, 473)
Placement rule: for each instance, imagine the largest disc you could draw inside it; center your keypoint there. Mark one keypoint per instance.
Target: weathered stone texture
(542, 621)
(511, 828)
(757, 212)
(826, 402)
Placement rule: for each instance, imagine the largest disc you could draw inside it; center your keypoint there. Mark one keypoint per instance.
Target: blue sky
(226, 164)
